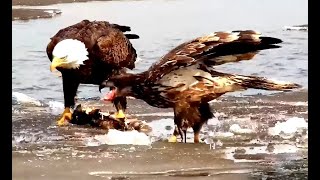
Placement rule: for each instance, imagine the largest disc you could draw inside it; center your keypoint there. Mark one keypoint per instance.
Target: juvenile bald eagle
(184, 79)
(88, 53)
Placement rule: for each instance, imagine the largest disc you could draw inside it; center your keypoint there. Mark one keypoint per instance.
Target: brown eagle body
(109, 53)
(184, 78)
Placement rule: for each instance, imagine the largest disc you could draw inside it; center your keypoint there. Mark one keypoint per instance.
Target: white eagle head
(69, 54)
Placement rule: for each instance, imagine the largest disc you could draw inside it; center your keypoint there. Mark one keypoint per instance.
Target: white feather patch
(74, 50)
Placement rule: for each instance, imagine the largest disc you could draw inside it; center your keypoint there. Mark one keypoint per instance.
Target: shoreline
(47, 2)
(25, 14)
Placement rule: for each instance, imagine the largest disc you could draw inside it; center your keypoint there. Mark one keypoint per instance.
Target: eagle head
(69, 54)
(122, 85)
(118, 87)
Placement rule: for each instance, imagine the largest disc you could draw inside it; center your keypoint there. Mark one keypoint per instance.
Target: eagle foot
(120, 115)
(172, 139)
(65, 117)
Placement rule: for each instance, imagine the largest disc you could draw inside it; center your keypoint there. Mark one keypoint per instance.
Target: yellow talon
(172, 139)
(65, 117)
(61, 122)
(120, 115)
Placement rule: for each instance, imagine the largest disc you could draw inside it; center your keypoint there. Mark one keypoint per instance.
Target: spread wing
(214, 49)
(200, 83)
(104, 41)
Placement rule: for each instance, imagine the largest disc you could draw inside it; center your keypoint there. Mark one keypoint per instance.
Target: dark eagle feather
(184, 78)
(110, 53)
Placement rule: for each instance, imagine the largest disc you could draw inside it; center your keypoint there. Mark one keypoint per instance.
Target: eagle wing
(105, 42)
(116, 49)
(214, 49)
(200, 83)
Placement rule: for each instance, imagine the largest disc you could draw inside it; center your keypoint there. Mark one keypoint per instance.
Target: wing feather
(214, 49)
(116, 49)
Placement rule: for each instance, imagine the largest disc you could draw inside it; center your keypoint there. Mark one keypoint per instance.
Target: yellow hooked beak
(56, 62)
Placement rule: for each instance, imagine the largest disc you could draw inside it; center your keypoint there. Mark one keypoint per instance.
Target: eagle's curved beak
(105, 84)
(56, 62)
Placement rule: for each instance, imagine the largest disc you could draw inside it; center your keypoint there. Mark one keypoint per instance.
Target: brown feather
(183, 79)
(110, 53)
(104, 41)
(207, 48)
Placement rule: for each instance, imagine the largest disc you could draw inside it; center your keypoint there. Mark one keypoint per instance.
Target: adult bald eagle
(88, 53)
(184, 79)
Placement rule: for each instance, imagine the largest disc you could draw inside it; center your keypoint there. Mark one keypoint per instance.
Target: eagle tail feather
(265, 84)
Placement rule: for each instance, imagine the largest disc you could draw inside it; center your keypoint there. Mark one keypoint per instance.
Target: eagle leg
(121, 105)
(196, 131)
(70, 87)
(176, 131)
(184, 132)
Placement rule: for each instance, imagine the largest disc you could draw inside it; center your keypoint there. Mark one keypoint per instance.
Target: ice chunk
(289, 127)
(114, 137)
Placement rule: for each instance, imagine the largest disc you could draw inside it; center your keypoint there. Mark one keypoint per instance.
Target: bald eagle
(184, 79)
(89, 53)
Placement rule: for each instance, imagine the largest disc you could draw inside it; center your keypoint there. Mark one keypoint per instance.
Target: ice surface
(115, 137)
(20, 98)
(56, 107)
(236, 129)
(288, 128)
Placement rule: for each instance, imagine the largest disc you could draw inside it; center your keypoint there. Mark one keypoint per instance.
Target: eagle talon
(65, 118)
(62, 122)
(120, 115)
(172, 139)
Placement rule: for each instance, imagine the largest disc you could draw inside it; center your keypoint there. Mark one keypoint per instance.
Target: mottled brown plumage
(110, 52)
(184, 78)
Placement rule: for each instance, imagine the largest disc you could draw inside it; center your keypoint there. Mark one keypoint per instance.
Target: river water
(255, 134)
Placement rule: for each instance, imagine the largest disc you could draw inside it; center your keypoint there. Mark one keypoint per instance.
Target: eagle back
(105, 42)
